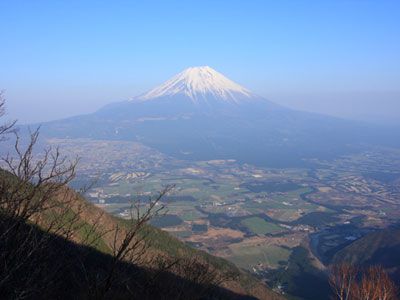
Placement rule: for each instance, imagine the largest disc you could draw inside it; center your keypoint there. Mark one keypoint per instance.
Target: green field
(192, 215)
(259, 226)
(258, 187)
(248, 257)
(185, 210)
(166, 221)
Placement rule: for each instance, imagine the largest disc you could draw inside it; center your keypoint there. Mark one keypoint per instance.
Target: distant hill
(73, 265)
(377, 248)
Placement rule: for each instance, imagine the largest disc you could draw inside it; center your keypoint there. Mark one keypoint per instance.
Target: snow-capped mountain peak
(200, 84)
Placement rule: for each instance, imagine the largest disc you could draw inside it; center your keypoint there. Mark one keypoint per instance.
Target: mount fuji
(200, 84)
(194, 91)
(200, 114)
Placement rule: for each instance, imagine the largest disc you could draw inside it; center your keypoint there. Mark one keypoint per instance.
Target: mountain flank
(199, 114)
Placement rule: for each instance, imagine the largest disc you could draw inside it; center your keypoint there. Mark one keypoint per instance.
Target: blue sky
(60, 58)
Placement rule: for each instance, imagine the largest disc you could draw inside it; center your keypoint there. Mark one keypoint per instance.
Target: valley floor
(255, 217)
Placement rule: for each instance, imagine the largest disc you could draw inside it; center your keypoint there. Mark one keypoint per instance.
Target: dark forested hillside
(377, 248)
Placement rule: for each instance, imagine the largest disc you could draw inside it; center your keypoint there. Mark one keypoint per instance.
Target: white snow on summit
(199, 83)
